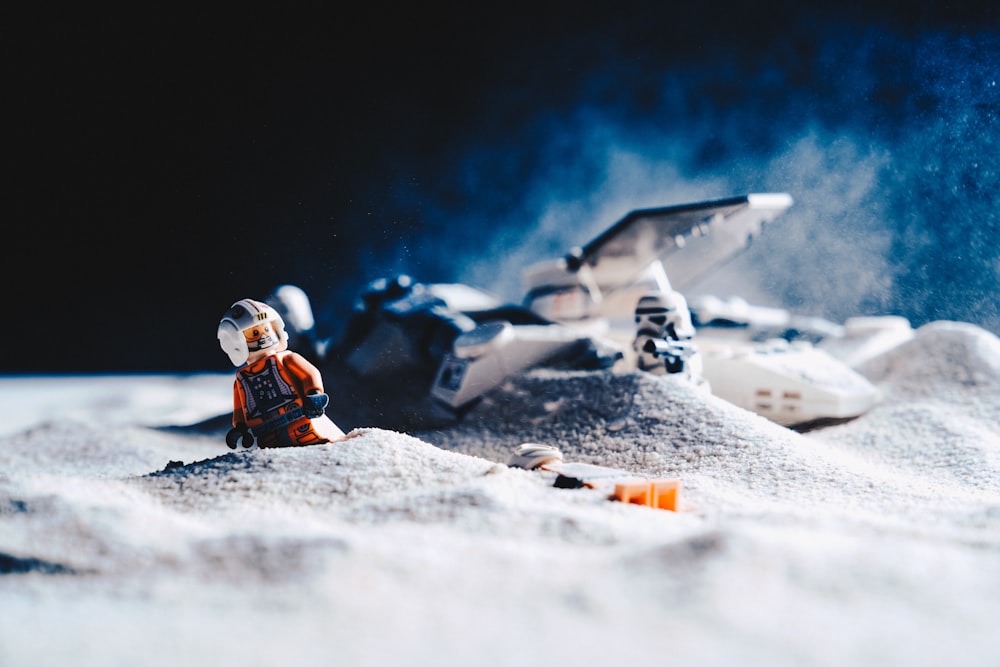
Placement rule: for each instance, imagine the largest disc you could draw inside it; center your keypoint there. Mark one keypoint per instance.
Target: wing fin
(710, 233)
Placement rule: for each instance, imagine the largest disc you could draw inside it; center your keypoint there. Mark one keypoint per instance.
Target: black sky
(166, 165)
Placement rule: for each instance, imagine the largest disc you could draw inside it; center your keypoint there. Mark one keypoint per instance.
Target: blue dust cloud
(886, 137)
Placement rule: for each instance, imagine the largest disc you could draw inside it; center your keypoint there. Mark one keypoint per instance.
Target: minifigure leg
(315, 431)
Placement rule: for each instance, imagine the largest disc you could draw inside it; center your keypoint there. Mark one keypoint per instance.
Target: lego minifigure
(663, 336)
(278, 395)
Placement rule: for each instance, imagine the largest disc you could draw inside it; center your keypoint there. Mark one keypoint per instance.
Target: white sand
(876, 542)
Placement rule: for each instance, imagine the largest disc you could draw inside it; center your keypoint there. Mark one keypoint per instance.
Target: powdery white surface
(874, 542)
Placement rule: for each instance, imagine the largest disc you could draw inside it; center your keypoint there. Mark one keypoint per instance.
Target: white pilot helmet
(664, 315)
(243, 315)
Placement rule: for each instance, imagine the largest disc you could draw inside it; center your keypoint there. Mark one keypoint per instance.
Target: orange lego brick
(661, 494)
(665, 494)
(636, 492)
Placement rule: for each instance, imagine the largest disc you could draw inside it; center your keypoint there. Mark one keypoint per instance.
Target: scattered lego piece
(662, 494)
(622, 485)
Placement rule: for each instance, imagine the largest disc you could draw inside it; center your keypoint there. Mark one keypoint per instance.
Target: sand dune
(873, 542)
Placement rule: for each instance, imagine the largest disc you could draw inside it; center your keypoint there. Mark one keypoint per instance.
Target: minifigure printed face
(260, 337)
(652, 324)
(651, 316)
(663, 316)
(658, 320)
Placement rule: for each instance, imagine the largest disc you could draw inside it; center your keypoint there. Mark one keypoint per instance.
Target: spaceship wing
(709, 232)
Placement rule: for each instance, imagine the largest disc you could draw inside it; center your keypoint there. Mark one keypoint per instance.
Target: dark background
(165, 165)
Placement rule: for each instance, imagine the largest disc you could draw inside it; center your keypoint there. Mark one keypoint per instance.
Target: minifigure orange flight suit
(268, 397)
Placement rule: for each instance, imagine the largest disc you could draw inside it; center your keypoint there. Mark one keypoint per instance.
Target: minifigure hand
(235, 435)
(314, 405)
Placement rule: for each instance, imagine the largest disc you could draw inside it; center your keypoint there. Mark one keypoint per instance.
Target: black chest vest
(266, 390)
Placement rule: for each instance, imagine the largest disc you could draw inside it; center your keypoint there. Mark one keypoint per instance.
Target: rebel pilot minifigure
(278, 395)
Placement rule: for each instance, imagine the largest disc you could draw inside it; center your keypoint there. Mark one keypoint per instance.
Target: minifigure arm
(239, 417)
(308, 379)
(239, 433)
(309, 384)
